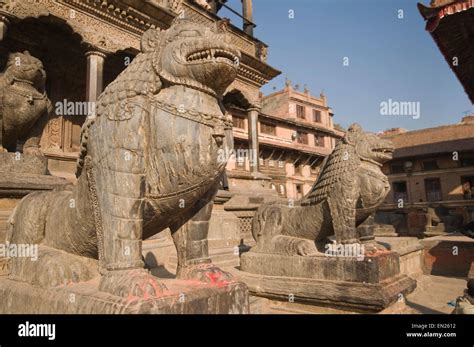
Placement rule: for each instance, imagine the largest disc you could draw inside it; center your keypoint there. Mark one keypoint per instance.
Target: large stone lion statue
(149, 161)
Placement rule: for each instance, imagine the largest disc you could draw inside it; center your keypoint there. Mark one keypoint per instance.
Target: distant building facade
(295, 133)
(432, 166)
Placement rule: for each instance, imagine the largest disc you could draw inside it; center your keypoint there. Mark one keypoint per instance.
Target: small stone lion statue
(24, 105)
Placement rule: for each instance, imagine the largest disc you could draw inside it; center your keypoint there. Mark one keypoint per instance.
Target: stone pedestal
(410, 251)
(370, 284)
(385, 230)
(18, 163)
(449, 255)
(182, 297)
(22, 174)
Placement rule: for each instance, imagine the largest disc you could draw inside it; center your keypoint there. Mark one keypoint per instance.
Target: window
(467, 161)
(299, 191)
(433, 189)
(467, 183)
(318, 140)
(281, 190)
(430, 165)
(273, 186)
(396, 168)
(238, 122)
(261, 161)
(271, 163)
(281, 164)
(400, 192)
(266, 128)
(302, 137)
(300, 111)
(298, 169)
(317, 116)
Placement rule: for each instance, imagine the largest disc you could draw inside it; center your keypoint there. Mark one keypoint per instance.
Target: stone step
(220, 257)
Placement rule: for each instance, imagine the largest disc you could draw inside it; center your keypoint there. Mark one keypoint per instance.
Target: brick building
(295, 133)
(432, 166)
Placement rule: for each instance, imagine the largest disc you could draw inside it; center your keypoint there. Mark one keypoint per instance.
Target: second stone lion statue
(149, 161)
(350, 188)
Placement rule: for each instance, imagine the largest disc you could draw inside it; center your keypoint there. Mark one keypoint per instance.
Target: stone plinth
(18, 163)
(371, 284)
(449, 255)
(17, 186)
(410, 251)
(182, 297)
(385, 230)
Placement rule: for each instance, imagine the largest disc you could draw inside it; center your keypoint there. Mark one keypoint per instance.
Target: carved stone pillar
(4, 22)
(248, 17)
(95, 75)
(252, 114)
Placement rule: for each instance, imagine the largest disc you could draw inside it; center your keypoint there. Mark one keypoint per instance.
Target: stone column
(252, 114)
(248, 17)
(3, 27)
(95, 74)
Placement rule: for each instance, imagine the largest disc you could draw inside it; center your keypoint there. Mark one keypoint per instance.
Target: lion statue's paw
(136, 283)
(208, 273)
(53, 268)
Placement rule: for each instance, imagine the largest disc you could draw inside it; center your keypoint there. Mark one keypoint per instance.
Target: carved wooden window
(430, 165)
(400, 191)
(300, 111)
(238, 122)
(318, 140)
(467, 161)
(302, 137)
(396, 168)
(317, 116)
(433, 189)
(267, 128)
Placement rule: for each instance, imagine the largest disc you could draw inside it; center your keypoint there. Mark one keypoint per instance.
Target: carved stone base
(17, 163)
(19, 185)
(368, 285)
(188, 297)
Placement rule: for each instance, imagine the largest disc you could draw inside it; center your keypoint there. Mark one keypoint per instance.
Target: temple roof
(451, 24)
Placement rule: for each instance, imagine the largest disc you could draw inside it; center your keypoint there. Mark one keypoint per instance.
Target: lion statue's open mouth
(212, 55)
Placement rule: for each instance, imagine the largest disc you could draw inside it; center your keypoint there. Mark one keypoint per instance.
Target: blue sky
(389, 58)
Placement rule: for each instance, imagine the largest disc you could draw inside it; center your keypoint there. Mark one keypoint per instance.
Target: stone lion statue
(149, 161)
(348, 191)
(24, 105)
